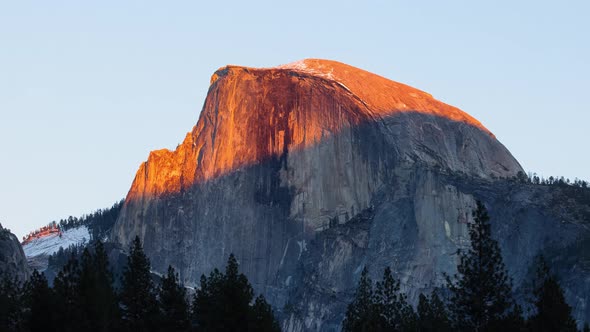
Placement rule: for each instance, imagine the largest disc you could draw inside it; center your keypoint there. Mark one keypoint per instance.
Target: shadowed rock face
(13, 263)
(309, 171)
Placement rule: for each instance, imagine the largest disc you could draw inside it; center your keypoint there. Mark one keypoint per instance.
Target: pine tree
(392, 306)
(223, 301)
(481, 292)
(97, 295)
(432, 314)
(207, 302)
(552, 312)
(262, 318)
(39, 301)
(239, 293)
(362, 313)
(106, 315)
(174, 308)
(138, 297)
(515, 320)
(68, 307)
(11, 313)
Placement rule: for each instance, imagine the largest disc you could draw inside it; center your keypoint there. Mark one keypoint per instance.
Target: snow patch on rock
(302, 66)
(50, 244)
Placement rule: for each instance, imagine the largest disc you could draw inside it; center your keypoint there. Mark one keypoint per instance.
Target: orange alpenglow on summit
(253, 114)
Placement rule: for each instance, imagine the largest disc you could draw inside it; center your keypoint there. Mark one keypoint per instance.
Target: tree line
(98, 222)
(477, 298)
(534, 178)
(84, 298)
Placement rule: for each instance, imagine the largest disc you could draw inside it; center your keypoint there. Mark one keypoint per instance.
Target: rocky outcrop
(13, 263)
(40, 245)
(307, 172)
(416, 228)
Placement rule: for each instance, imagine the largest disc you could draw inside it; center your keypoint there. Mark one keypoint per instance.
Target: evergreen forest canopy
(84, 298)
(478, 298)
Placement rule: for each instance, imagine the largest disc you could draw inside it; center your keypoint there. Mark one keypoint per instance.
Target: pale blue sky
(87, 89)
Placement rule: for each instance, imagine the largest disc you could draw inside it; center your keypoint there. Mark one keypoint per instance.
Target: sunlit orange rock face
(251, 114)
(307, 171)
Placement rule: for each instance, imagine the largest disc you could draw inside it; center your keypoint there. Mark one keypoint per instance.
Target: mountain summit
(251, 115)
(381, 96)
(310, 171)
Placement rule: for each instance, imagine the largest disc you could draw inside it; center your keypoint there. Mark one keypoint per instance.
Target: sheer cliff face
(331, 129)
(252, 115)
(307, 172)
(13, 263)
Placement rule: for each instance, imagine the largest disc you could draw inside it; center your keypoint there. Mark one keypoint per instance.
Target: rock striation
(309, 171)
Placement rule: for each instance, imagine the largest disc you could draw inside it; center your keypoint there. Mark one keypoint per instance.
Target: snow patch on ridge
(302, 66)
(319, 70)
(50, 244)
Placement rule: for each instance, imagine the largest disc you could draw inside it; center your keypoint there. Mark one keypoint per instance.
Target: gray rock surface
(13, 263)
(306, 179)
(417, 231)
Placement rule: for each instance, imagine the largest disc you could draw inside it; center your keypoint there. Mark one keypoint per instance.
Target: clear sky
(88, 88)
